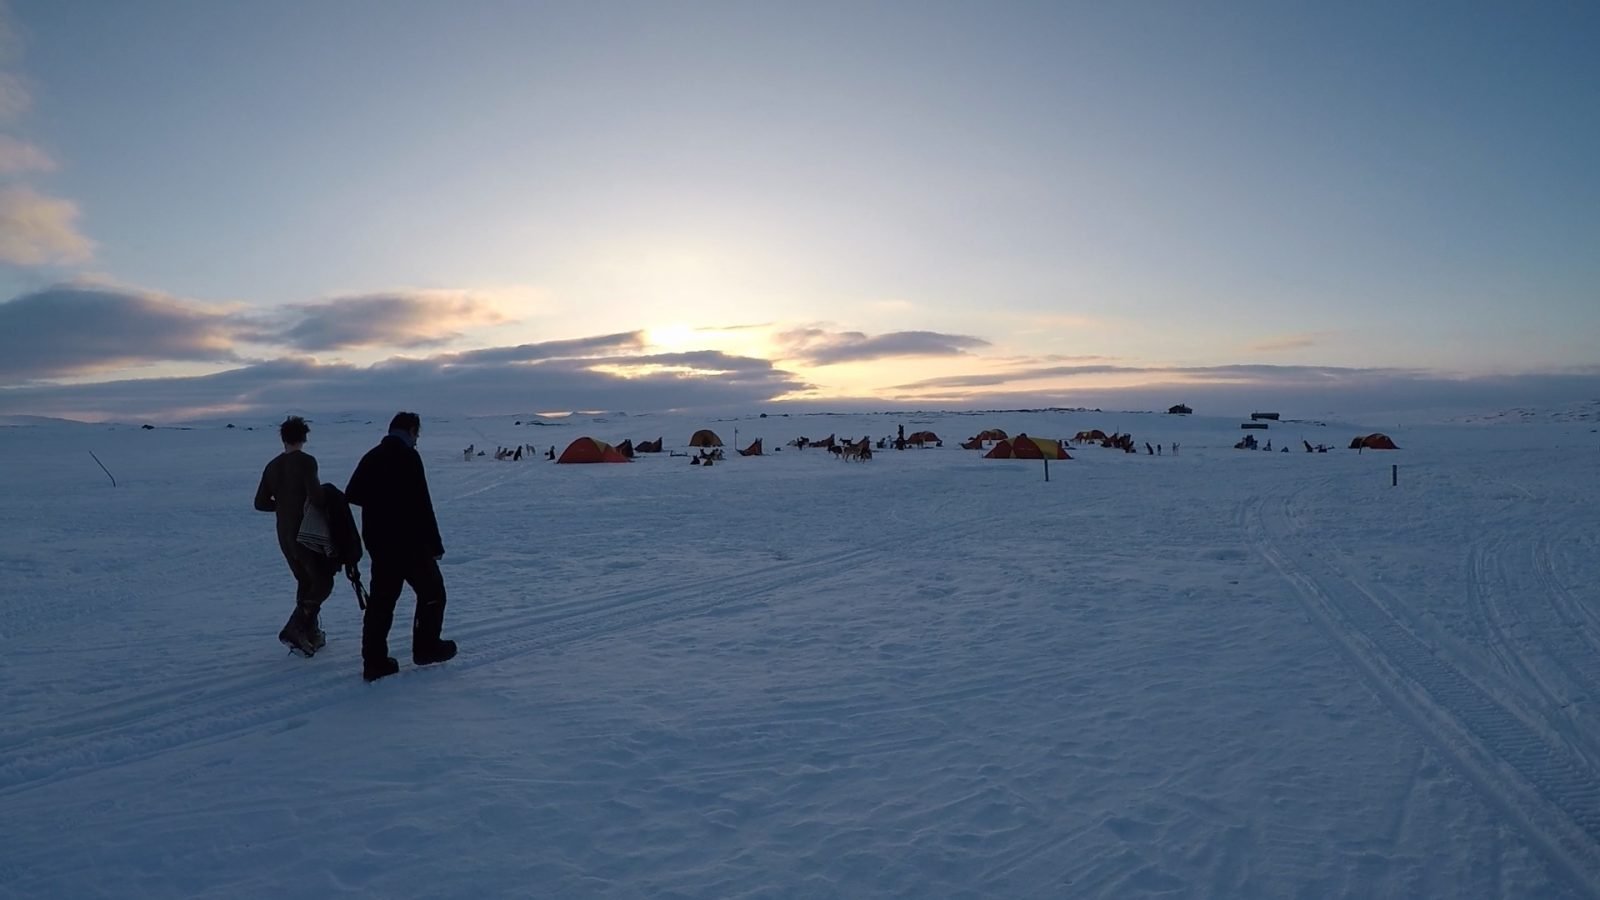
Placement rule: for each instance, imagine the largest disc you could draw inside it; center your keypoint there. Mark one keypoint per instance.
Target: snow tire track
(137, 728)
(1541, 784)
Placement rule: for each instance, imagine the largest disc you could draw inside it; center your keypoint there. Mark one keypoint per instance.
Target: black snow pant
(388, 576)
(313, 578)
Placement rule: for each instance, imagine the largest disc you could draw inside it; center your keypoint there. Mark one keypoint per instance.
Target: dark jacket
(288, 480)
(397, 518)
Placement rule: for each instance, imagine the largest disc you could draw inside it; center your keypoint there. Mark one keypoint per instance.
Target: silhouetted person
(287, 484)
(402, 537)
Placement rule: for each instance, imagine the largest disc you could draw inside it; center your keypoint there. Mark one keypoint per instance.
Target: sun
(672, 338)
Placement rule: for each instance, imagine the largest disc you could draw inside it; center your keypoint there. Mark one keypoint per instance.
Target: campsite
(931, 673)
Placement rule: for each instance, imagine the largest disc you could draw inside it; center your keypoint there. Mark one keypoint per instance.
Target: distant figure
(402, 536)
(1158, 449)
(288, 484)
(517, 456)
(1269, 445)
(1149, 450)
(552, 453)
(900, 439)
(1174, 449)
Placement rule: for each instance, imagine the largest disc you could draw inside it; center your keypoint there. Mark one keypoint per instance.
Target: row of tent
(594, 450)
(591, 450)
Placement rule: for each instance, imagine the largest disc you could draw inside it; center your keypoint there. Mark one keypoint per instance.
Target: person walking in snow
(288, 483)
(402, 537)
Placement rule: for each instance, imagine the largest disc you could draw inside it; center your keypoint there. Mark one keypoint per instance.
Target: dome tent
(589, 450)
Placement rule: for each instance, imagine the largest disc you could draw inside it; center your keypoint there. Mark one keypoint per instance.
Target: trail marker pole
(1047, 468)
(104, 469)
(1394, 475)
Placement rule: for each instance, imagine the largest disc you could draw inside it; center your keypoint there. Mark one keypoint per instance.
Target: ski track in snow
(138, 727)
(1076, 709)
(1534, 775)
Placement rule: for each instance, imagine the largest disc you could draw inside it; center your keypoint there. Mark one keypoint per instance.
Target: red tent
(753, 450)
(1374, 441)
(589, 450)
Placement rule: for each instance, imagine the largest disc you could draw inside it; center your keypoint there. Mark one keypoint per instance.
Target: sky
(489, 207)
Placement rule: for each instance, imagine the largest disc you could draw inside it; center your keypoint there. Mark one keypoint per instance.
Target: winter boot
(373, 670)
(433, 652)
(297, 637)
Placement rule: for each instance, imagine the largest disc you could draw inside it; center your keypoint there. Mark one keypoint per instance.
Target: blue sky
(253, 207)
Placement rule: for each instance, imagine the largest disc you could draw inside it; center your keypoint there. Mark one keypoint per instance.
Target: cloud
(10, 39)
(82, 327)
(430, 386)
(18, 157)
(36, 229)
(1288, 342)
(15, 100)
(1378, 395)
(987, 379)
(604, 345)
(397, 319)
(78, 329)
(825, 348)
(1298, 391)
(1242, 373)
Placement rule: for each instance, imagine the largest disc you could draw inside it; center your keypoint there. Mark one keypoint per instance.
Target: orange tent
(974, 444)
(589, 450)
(705, 437)
(992, 434)
(1024, 447)
(1094, 435)
(923, 437)
(753, 450)
(1374, 441)
(1001, 450)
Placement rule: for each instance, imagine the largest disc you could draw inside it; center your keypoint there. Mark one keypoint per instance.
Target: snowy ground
(1221, 674)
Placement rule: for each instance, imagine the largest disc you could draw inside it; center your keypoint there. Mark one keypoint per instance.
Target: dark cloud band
(823, 348)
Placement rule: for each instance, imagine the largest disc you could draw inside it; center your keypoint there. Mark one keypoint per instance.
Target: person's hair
(294, 430)
(406, 421)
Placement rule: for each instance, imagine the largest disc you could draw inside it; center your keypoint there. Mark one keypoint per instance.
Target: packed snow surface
(1210, 673)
